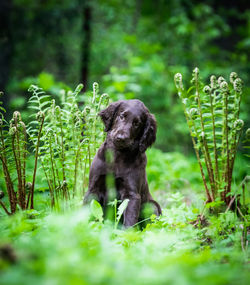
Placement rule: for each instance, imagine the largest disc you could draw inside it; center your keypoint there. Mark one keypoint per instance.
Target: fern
(69, 139)
(64, 138)
(13, 156)
(212, 114)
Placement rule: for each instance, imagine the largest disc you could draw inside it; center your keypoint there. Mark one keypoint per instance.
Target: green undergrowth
(173, 172)
(42, 248)
(64, 243)
(167, 173)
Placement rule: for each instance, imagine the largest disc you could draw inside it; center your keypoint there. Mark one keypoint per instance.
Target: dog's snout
(120, 137)
(121, 140)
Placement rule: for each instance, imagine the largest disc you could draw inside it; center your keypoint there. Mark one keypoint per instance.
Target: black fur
(131, 129)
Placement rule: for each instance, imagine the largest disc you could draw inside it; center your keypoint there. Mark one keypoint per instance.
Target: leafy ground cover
(71, 247)
(67, 249)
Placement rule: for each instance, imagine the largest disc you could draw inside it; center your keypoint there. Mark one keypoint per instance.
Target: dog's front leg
(131, 214)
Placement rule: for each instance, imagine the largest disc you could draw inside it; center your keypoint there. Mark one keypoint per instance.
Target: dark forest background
(132, 48)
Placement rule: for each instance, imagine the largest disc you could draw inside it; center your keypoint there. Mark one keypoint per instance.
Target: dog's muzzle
(121, 141)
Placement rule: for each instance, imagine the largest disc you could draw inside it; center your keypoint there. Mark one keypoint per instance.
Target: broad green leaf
(121, 209)
(96, 210)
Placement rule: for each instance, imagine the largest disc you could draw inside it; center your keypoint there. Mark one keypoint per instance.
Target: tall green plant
(63, 137)
(69, 138)
(13, 156)
(212, 114)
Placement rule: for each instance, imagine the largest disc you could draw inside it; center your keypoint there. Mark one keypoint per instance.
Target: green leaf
(219, 113)
(206, 115)
(96, 210)
(214, 204)
(34, 107)
(190, 89)
(1, 108)
(206, 105)
(121, 209)
(47, 97)
(46, 103)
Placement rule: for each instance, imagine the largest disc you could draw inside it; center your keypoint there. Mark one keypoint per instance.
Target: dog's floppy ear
(107, 115)
(149, 134)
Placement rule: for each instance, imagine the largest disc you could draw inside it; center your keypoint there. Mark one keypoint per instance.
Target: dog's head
(129, 125)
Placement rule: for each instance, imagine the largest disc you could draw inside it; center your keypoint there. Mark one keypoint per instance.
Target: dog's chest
(126, 164)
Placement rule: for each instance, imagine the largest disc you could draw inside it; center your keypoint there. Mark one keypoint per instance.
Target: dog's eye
(122, 117)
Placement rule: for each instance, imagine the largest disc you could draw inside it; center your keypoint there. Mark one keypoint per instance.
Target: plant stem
(227, 168)
(5, 209)
(224, 142)
(89, 155)
(21, 170)
(50, 187)
(84, 172)
(18, 172)
(35, 166)
(244, 194)
(206, 151)
(235, 141)
(9, 185)
(52, 164)
(115, 205)
(65, 189)
(8, 181)
(214, 141)
(230, 174)
(209, 197)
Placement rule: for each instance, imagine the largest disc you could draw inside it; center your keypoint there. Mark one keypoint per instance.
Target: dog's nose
(120, 138)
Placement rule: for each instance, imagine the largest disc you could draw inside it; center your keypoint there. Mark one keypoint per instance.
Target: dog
(131, 129)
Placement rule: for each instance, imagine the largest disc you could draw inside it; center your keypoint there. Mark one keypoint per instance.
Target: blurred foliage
(68, 249)
(136, 47)
(173, 172)
(40, 247)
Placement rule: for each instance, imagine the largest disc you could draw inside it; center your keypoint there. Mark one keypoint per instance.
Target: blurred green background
(132, 48)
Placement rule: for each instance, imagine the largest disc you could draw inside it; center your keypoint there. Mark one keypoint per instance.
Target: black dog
(131, 129)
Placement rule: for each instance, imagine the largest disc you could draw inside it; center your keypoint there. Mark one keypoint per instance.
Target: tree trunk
(5, 46)
(137, 14)
(87, 20)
